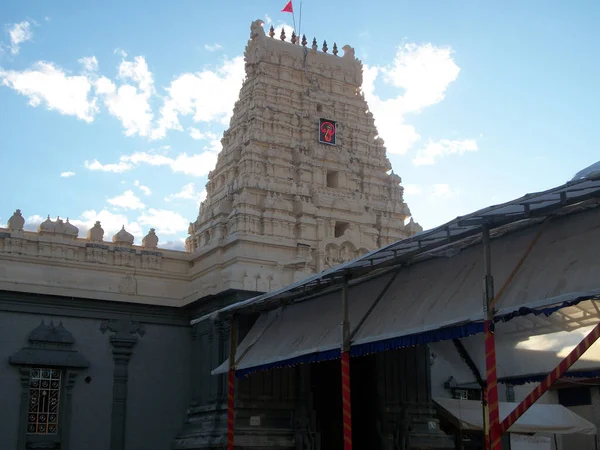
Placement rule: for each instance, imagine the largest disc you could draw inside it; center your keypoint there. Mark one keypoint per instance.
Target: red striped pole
(231, 384)
(492, 389)
(491, 407)
(230, 408)
(346, 402)
(346, 397)
(552, 377)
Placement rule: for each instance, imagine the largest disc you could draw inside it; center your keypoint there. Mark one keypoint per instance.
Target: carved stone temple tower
(301, 183)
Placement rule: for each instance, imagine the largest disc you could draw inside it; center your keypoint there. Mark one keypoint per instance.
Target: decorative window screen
(44, 401)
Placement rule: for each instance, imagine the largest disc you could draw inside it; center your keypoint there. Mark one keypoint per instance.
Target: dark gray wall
(159, 370)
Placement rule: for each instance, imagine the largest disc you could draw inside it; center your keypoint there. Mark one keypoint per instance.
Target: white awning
(440, 299)
(305, 332)
(540, 418)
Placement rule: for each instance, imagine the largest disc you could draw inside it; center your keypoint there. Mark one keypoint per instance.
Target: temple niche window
(333, 179)
(44, 401)
(48, 368)
(340, 228)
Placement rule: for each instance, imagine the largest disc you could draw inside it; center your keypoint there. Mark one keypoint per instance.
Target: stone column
(70, 378)
(123, 341)
(25, 383)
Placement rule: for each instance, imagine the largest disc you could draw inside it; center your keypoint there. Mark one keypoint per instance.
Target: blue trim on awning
(326, 355)
(411, 340)
(426, 337)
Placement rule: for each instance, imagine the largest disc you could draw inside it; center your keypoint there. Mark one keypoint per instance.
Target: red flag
(288, 8)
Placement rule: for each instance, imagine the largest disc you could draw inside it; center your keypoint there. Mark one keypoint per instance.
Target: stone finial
(304, 40)
(412, 227)
(56, 334)
(59, 226)
(314, 44)
(294, 38)
(282, 35)
(70, 229)
(348, 51)
(150, 240)
(47, 226)
(272, 31)
(324, 47)
(96, 233)
(123, 237)
(16, 222)
(335, 50)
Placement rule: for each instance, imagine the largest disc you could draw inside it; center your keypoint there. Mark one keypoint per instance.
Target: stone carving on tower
(301, 183)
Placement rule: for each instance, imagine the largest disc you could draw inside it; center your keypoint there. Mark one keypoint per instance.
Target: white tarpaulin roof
(540, 418)
(526, 209)
(441, 299)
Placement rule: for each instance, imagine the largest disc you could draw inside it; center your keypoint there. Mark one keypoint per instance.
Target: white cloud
(195, 133)
(67, 174)
(119, 167)
(145, 189)
(127, 200)
(187, 192)
(208, 95)
(164, 221)
(129, 103)
(212, 48)
(412, 189)
(423, 72)
(178, 245)
(19, 33)
(89, 63)
(196, 165)
(32, 222)
(49, 84)
(443, 191)
(435, 150)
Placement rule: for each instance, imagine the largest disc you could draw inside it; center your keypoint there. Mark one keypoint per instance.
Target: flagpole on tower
(300, 21)
(290, 8)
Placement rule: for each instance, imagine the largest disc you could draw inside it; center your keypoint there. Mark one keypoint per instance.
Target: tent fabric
(304, 332)
(526, 209)
(539, 418)
(440, 299)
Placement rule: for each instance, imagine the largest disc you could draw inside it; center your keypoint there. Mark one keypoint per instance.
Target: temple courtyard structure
(303, 259)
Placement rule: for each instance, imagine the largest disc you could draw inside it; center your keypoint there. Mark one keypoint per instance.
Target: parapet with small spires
(55, 260)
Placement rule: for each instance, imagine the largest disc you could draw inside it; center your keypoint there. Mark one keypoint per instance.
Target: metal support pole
(346, 398)
(231, 384)
(552, 377)
(491, 426)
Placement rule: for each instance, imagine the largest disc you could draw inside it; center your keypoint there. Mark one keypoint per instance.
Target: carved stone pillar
(123, 341)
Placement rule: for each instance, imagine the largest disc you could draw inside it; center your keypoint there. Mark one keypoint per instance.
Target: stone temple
(96, 347)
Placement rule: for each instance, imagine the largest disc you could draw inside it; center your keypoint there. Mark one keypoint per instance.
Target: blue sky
(478, 102)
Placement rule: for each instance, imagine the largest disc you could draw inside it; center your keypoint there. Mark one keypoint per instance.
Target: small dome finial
(123, 237)
(96, 233)
(16, 222)
(282, 35)
(150, 240)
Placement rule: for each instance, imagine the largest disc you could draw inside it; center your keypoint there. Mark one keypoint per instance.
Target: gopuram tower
(302, 181)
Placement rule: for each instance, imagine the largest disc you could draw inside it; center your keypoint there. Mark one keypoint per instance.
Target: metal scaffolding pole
(346, 398)
(491, 425)
(231, 384)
